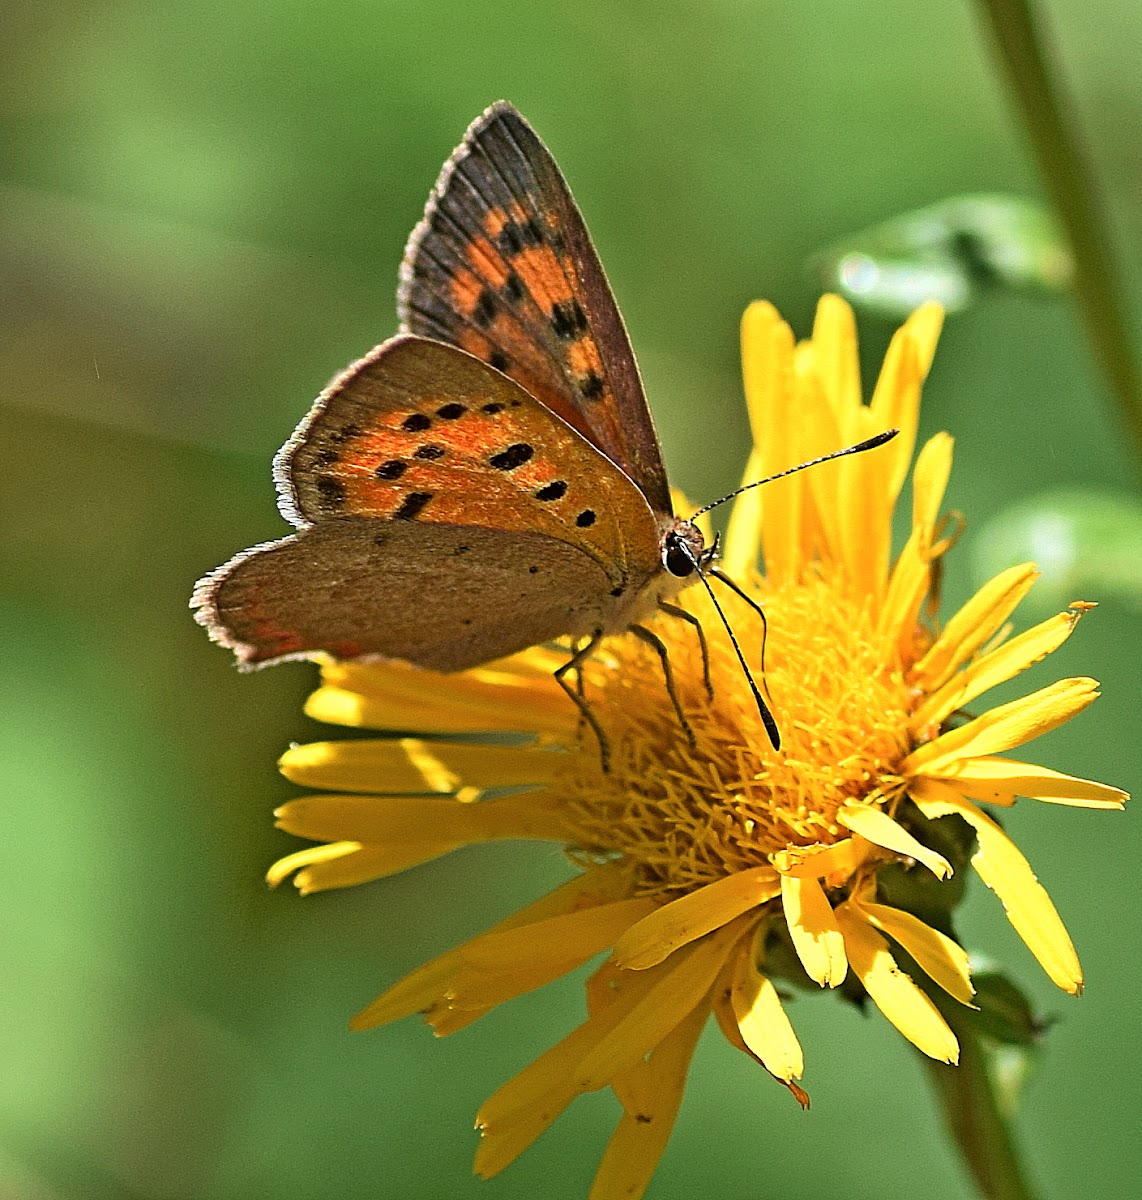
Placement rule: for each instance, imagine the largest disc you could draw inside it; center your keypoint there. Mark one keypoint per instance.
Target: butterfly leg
(659, 647)
(719, 574)
(575, 693)
(678, 611)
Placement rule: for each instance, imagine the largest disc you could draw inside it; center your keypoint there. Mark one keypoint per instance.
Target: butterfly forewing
(418, 431)
(503, 267)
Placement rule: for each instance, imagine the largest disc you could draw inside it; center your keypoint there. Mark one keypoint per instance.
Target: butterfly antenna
(763, 708)
(868, 444)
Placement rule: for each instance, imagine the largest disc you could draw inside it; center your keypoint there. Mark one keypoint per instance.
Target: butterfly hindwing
(421, 432)
(445, 597)
(503, 267)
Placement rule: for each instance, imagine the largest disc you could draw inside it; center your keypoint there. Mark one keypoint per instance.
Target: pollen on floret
(687, 813)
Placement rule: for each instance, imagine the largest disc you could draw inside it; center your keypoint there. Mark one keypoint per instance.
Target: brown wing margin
(502, 265)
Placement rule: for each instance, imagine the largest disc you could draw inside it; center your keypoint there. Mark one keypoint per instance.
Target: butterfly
(489, 478)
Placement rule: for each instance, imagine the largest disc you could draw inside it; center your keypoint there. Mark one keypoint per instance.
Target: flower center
(688, 809)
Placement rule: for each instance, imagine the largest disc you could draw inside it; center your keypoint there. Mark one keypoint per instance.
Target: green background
(202, 208)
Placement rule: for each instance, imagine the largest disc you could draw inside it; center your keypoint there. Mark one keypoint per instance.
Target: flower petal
(895, 404)
(392, 765)
(1004, 727)
(761, 1019)
(997, 666)
(941, 958)
(896, 399)
(924, 327)
(1004, 869)
(690, 974)
(521, 1109)
(1001, 780)
(743, 530)
(901, 1001)
(515, 693)
(641, 1136)
(835, 354)
(871, 483)
(876, 826)
(767, 370)
(973, 625)
(692, 916)
(813, 928)
(911, 576)
(507, 963)
(384, 820)
(352, 863)
(419, 990)
(836, 861)
(309, 857)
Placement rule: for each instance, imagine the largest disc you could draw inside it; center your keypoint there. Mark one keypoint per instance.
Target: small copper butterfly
(489, 478)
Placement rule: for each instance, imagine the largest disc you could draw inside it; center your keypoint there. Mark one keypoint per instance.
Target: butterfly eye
(678, 560)
(684, 550)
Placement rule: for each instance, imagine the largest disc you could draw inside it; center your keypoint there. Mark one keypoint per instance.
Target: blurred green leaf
(1010, 1033)
(954, 252)
(1005, 1013)
(1088, 544)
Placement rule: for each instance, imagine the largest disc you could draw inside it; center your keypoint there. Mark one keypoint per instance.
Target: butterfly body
(489, 478)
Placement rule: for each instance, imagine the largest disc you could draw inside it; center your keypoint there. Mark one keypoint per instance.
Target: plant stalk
(970, 1105)
(1038, 90)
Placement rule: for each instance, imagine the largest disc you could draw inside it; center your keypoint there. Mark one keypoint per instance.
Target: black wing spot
(461, 550)
(513, 290)
(533, 570)
(416, 423)
(485, 311)
(495, 406)
(393, 469)
(411, 506)
(568, 320)
(429, 452)
(515, 235)
(509, 240)
(555, 490)
(501, 362)
(345, 434)
(514, 456)
(326, 458)
(618, 591)
(591, 385)
(452, 410)
(331, 491)
(585, 518)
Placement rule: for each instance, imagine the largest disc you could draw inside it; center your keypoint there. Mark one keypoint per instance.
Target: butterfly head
(684, 549)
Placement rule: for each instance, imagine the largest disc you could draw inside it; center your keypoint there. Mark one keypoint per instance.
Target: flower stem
(1066, 171)
(971, 1110)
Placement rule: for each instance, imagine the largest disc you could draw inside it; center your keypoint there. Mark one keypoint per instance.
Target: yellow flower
(708, 862)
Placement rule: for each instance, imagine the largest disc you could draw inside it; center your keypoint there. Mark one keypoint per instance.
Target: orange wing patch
(515, 282)
(418, 432)
(455, 472)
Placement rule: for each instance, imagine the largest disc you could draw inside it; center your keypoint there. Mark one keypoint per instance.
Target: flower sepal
(909, 887)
